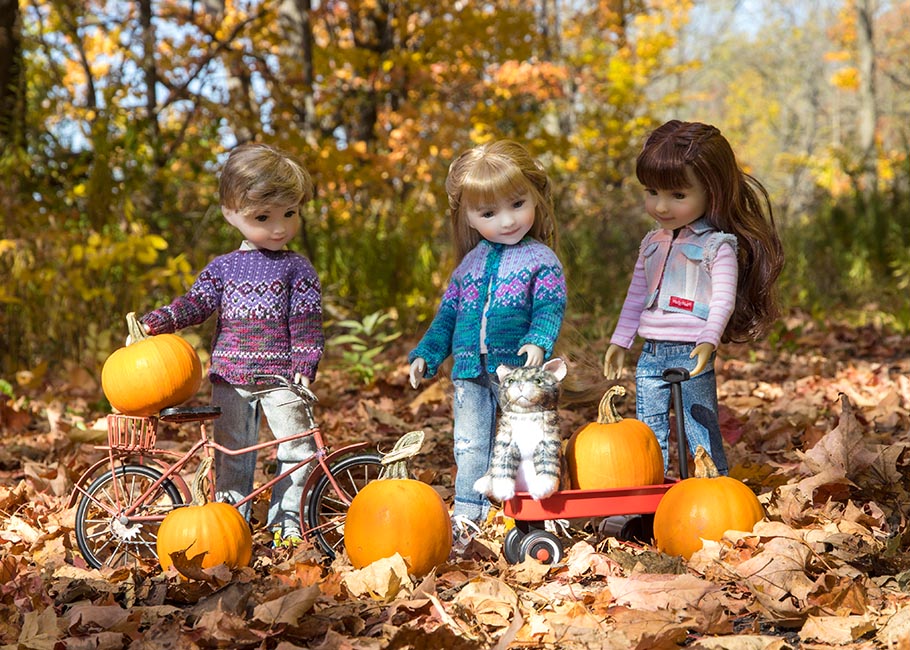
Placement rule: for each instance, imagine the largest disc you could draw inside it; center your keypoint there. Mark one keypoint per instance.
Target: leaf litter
(818, 426)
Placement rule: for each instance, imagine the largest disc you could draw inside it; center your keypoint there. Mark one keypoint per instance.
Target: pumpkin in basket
(614, 452)
(397, 514)
(151, 373)
(703, 507)
(216, 529)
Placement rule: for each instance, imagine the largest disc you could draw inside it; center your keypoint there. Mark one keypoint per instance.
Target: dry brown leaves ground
(818, 427)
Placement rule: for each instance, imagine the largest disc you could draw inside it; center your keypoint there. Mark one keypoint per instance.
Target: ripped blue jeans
(474, 410)
(699, 396)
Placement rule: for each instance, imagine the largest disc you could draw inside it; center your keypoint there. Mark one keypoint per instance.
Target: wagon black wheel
(326, 509)
(511, 546)
(104, 535)
(542, 546)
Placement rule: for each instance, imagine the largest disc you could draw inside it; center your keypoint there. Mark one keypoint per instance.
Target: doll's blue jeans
(699, 395)
(238, 426)
(474, 413)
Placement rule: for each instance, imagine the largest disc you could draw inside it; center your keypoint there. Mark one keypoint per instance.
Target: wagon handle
(675, 377)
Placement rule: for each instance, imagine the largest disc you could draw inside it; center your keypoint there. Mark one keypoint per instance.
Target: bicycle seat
(180, 414)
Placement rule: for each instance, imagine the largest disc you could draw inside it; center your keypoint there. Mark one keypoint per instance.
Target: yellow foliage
(846, 79)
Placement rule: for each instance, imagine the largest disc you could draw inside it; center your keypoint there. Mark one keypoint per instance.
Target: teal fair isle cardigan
(527, 299)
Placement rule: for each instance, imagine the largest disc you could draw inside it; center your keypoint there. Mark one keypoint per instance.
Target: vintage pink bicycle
(122, 499)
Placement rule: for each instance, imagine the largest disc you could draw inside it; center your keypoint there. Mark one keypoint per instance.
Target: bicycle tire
(102, 538)
(326, 510)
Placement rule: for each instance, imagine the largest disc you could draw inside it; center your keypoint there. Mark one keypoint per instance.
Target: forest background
(116, 116)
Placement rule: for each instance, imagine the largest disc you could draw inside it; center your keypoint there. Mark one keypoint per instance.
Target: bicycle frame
(157, 457)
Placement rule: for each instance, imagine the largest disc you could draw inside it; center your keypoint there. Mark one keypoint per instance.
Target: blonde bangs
(491, 181)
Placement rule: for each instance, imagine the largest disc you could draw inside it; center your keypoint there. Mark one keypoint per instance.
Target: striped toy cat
(526, 452)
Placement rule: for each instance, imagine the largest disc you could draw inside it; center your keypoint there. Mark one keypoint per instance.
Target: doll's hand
(301, 380)
(418, 368)
(534, 352)
(703, 351)
(613, 361)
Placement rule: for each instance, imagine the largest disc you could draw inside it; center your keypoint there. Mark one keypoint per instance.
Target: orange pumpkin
(703, 507)
(396, 514)
(614, 452)
(216, 529)
(151, 373)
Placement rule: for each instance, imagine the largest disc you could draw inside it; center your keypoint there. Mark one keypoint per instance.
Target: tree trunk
(868, 111)
(150, 70)
(11, 90)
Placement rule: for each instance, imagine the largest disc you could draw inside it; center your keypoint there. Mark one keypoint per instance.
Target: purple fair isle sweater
(269, 315)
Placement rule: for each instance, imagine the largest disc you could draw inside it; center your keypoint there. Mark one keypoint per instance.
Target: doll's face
(504, 222)
(673, 209)
(270, 228)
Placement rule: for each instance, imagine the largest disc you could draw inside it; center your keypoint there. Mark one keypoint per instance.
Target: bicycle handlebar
(301, 391)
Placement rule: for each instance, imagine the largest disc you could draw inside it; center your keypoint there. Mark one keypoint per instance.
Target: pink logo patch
(682, 303)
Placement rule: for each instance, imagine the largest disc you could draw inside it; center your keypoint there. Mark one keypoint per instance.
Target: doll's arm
(416, 372)
(535, 354)
(613, 361)
(703, 351)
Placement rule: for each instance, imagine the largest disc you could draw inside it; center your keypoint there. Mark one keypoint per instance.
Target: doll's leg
(286, 420)
(702, 426)
(652, 395)
(474, 414)
(237, 427)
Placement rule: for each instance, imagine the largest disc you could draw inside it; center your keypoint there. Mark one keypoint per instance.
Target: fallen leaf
(288, 609)
(382, 579)
(836, 630)
(653, 592)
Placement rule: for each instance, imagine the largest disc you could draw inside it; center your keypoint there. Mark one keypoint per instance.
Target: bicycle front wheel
(108, 538)
(326, 508)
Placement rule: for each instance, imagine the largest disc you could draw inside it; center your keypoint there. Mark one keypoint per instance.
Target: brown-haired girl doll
(504, 303)
(705, 275)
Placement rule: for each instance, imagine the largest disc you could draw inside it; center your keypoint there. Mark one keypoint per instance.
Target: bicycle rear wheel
(107, 538)
(326, 509)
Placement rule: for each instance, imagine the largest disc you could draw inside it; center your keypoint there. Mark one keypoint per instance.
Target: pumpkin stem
(704, 464)
(137, 332)
(606, 412)
(198, 487)
(395, 462)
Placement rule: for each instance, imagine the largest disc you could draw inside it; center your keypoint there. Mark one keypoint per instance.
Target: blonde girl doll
(269, 306)
(704, 276)
(504, 303)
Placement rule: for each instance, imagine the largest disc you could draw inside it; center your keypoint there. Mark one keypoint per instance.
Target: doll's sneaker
(464, 530)
(287, 537)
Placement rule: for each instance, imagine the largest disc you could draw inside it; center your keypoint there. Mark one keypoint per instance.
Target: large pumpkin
(216, 529)
(151, 373)
(703, 507)
(398, 515)
(614, 452)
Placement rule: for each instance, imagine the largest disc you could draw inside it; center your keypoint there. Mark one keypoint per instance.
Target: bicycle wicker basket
(131, 433)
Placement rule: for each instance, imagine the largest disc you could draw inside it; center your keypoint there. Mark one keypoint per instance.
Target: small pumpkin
(703, 507)
(614, 452)
(397, 514)
(216, 529)
(151, 373)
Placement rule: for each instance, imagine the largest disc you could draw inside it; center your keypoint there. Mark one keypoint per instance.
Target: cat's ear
(503, 371)
(557, 367)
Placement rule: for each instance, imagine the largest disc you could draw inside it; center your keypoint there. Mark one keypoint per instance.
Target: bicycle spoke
(105, 536)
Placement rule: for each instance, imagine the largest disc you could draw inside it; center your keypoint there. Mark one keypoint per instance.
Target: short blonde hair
(257, 175)
(485, 175)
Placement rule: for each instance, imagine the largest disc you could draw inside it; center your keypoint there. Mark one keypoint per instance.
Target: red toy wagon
(529, 538)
